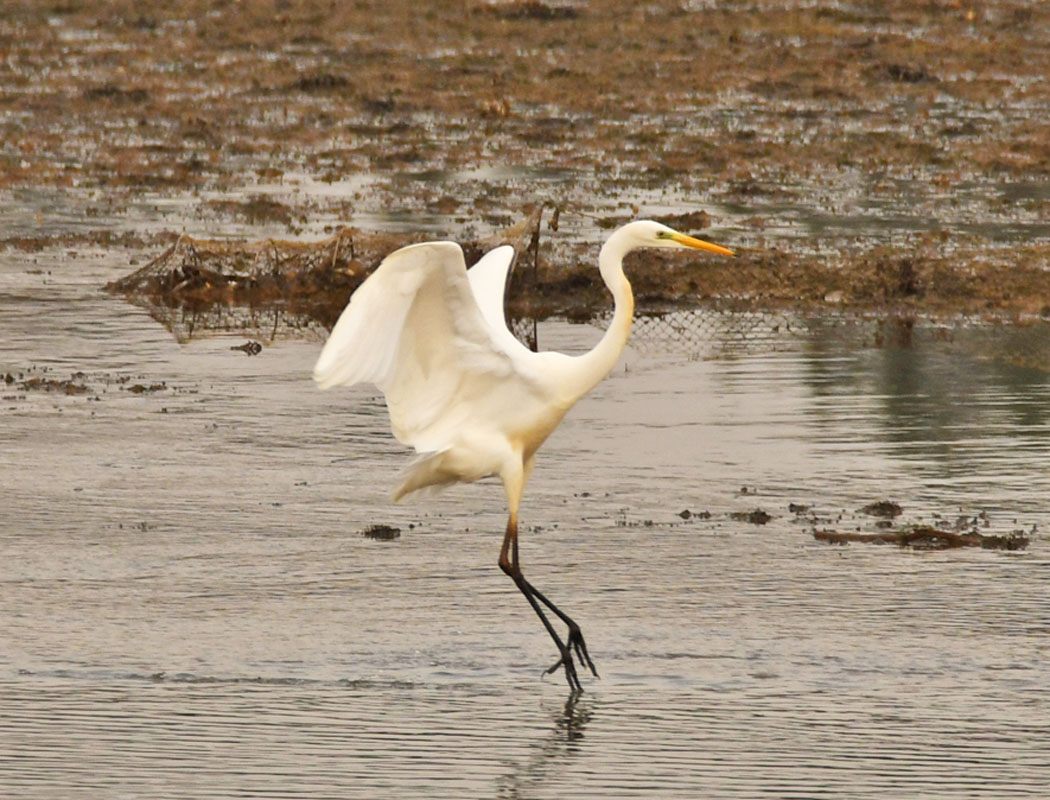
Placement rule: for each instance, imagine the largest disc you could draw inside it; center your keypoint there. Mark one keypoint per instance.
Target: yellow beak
(700, 244)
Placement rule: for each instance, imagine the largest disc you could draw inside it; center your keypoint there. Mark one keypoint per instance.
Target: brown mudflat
(871, 155)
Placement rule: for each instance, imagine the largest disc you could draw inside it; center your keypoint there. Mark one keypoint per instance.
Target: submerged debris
(250, 348)
(91, 387)
(686, 514)
(72, 385)
(924, 537)
(883, 508)
(756, 517)
(381, 533)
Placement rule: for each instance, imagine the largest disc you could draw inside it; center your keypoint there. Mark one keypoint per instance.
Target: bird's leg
(576, 641)
(511, 565)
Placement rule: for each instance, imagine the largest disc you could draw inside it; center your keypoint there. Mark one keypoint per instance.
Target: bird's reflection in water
(549, 756)
(574, 718)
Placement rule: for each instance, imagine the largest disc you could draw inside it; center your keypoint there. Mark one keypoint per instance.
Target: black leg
(576, 641)
(512, 567)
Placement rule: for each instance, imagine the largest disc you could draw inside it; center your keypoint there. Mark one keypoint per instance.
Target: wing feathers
(414, 328)
(363, 342)
(488, 282)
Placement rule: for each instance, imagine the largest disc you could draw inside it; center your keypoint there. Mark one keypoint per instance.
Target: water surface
(188, 609)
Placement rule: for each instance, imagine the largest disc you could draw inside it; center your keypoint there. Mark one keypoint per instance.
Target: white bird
(462, 390)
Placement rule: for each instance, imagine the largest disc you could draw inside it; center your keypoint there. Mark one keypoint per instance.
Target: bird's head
(647, 233)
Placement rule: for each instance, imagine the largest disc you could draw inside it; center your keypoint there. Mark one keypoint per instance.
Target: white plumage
(433, 338)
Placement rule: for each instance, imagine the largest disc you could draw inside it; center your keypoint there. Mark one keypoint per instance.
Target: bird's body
(460, 388)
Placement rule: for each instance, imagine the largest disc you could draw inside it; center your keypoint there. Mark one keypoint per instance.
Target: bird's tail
(428, 471)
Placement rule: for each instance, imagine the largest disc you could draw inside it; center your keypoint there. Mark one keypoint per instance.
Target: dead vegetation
(67, 386)
(763, 104)
(925, 537)
(107, 94)
(307, 280)
(554, 278)
(201, 271)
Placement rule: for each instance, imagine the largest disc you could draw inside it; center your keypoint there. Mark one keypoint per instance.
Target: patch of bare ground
(195, 93)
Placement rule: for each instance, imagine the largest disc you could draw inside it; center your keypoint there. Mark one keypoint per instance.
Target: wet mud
(870, 155)
(343, 89)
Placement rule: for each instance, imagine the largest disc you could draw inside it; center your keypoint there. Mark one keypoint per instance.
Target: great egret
(462, 390)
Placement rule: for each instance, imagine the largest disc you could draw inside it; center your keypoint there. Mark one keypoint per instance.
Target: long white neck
(594, 366)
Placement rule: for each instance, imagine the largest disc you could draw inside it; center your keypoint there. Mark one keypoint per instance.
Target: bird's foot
(577, 643)
(570, 670)
(579, 646)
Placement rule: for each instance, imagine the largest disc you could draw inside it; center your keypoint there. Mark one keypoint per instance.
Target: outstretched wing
(488, 282)
(415, 330)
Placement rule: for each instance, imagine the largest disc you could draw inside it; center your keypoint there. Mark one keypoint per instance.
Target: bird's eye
(664, 234)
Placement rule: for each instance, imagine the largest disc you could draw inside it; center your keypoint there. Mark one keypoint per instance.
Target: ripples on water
(187, 609)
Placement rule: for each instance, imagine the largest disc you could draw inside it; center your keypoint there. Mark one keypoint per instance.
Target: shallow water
(188, 609)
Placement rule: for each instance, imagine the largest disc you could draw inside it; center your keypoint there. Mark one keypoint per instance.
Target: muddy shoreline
(875, 156)
(315, 279)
